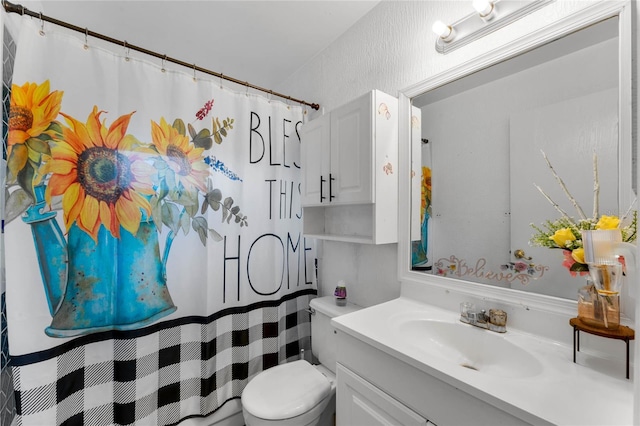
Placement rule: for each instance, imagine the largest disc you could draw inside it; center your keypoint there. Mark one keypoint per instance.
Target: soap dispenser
(341, 294)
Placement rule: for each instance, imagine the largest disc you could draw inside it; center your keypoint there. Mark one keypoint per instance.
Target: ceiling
(262, 42)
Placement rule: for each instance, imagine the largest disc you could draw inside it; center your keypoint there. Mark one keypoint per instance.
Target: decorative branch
(630, 209)
(556, 206)
(564, 188)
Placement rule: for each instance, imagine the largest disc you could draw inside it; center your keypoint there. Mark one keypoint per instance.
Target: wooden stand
(621, 333)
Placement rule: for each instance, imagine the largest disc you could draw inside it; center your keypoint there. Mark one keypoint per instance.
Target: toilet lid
(285, 391)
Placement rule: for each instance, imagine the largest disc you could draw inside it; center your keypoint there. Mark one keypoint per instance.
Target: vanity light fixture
(443, 31)
(485, 9)
(488, 17)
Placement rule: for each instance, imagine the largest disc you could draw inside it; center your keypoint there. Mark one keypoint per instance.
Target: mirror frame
(581, 19)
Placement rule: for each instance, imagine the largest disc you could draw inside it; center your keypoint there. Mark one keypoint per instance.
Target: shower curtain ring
(221, 77)
(246, 83)
(126, 51)
(86, 39)
(41, 24)
(194, 72)
(163, 59)
(270, 95)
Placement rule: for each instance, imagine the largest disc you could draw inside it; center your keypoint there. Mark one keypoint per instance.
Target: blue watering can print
(111, 284)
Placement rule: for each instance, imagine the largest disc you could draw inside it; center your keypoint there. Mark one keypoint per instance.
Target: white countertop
(590, 392)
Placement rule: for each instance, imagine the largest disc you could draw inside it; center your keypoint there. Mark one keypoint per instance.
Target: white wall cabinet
(316, 156)
(349, 172)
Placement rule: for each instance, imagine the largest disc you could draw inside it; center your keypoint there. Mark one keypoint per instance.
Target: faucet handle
(466, 308)
(498, 317)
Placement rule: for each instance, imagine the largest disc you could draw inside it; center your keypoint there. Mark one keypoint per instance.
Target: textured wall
(390, 49)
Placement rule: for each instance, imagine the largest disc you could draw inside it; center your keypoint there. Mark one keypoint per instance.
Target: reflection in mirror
(478, 143)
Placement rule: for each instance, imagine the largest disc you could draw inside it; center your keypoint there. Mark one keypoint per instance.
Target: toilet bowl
(294, 394)
(299, 393)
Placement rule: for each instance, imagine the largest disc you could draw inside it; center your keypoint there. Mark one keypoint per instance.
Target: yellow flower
(608, 222)
(100, 175)
(563, 237)
(181, 156)
(578, 255)
(32, 110)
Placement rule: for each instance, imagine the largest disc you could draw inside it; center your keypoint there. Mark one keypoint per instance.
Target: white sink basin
(473, 348)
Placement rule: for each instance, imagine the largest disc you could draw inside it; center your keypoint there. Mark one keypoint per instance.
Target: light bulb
(484, 8)
(442, 30)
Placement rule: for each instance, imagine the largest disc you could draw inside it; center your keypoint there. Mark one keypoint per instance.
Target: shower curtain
(154, 252)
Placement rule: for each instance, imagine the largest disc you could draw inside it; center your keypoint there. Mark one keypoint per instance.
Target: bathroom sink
(473, 348)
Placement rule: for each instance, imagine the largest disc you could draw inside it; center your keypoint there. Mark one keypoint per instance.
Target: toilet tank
(323, 338)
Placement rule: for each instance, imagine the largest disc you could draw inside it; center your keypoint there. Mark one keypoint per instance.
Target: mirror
(479, 138)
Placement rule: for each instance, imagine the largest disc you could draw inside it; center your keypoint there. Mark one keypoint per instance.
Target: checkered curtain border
(161, 374)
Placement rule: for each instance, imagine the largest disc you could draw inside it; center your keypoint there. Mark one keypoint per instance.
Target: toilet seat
(285, 391)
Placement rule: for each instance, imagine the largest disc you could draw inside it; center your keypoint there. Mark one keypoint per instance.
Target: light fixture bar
(473, 26)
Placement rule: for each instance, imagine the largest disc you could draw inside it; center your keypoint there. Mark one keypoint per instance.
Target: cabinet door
(358, 402)
(314, 151)
(351, 151)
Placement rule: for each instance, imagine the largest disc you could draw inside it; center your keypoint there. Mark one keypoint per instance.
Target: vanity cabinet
(349, 171)
(361, 403)
(374, 387)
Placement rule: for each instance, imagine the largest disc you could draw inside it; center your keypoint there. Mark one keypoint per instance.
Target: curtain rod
(16, 8)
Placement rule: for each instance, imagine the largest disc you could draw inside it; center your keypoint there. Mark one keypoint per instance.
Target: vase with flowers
(599, 299)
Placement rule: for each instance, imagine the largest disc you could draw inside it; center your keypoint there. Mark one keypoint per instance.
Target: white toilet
(299, 393)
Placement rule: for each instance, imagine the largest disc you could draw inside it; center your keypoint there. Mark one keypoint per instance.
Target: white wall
(390, 49)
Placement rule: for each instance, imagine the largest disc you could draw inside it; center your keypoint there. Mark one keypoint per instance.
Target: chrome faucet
(496, 320)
